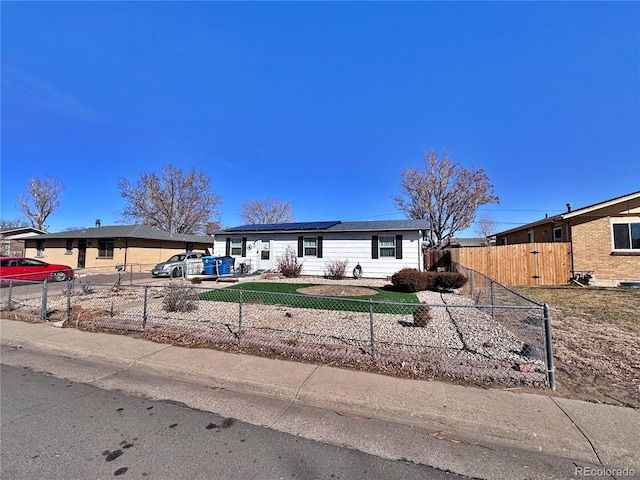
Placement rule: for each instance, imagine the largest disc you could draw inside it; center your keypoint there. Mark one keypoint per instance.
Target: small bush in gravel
(179, 299)
(409, 280)
(288, 263)
(335, 269)
(421, 315)
(449, 280)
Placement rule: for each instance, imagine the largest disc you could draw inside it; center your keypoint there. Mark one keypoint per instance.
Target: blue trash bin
(209, 262)
(225, 265)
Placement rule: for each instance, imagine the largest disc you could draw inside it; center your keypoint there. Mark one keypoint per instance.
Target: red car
(29, 269)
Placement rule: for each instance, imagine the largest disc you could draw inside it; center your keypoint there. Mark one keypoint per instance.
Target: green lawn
(287, 294)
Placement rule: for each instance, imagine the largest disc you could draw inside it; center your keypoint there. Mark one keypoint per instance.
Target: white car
(175, 266)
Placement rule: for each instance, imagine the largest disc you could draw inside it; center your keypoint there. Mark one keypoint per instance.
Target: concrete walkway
(470, 431)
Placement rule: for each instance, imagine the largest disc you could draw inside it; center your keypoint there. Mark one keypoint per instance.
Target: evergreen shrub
(409, 280)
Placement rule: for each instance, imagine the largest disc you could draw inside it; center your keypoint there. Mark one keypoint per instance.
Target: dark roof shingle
(125, 231)
(332, 226)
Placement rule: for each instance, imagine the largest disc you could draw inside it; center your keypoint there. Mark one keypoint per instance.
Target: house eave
(566, 216)
(124, 233)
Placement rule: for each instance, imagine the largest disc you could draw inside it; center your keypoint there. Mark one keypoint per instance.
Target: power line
(512, 210)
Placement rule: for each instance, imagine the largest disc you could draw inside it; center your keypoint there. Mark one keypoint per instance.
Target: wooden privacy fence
(521, 264)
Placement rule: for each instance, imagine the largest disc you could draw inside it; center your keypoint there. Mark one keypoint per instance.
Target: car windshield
(176, 258)
(28, 262)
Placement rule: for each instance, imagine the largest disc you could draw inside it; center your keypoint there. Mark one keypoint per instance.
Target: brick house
(12, 240)
(137, 246)
(604, 237)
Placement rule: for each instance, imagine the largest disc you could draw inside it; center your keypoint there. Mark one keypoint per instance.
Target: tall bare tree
(9, 224)
(41, 200)
(444, 193)
(268, 210)
(485, 226)
(173, 200)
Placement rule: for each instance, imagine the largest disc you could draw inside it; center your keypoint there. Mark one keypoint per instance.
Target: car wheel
(59, 276)
(177, 272)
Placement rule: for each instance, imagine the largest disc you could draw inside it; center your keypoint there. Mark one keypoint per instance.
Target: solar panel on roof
(283, 226)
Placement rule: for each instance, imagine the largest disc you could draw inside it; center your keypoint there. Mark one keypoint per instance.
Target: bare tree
(268, 210)
(9, 224)
(486, 226)
(172, 201)
(445, 194)
(211, 227)
(42, 199)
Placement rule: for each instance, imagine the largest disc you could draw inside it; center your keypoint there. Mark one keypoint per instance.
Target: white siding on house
(352, 246)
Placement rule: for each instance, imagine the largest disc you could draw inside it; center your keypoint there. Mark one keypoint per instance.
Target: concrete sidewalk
(470, 431)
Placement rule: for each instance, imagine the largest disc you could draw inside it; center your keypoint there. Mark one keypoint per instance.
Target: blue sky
(321, 104)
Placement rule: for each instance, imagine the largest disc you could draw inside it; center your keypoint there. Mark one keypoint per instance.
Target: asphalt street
(55, 429)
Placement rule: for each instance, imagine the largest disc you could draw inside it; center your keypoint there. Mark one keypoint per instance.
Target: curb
(555, 430)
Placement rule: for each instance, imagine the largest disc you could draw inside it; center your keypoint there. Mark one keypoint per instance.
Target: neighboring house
(464, 243)
(381, 248)
(605, 238)
(114, 245)
(12, 240)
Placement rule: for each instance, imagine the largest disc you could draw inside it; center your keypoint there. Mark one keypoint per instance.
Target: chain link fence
(489, 334)
(525, 318)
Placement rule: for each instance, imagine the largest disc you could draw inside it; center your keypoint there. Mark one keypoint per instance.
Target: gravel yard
(460, 341)
(595, 348)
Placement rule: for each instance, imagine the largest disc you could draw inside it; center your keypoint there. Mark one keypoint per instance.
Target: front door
(265, 262)
(82, 252)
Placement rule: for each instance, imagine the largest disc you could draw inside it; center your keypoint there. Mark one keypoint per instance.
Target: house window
(264, 250)
(236, 247)
(557, 234)
(105, 248)
(40, 248)
(530, 236)
(626, 236)
(69, 246)
(387, 246)
(310, 246)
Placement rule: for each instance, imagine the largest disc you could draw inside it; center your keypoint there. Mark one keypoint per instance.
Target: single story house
(604, 237)
(380, 248)
(450, 243)
(108, 246)
(12, 240)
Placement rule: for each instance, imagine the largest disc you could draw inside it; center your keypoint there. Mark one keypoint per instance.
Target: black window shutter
(228, 247)
(319, 255)
(300, 246)
(244, 246)
(374, 246)
(399, 246)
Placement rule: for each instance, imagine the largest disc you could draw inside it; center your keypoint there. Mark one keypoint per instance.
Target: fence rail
(488, 334)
